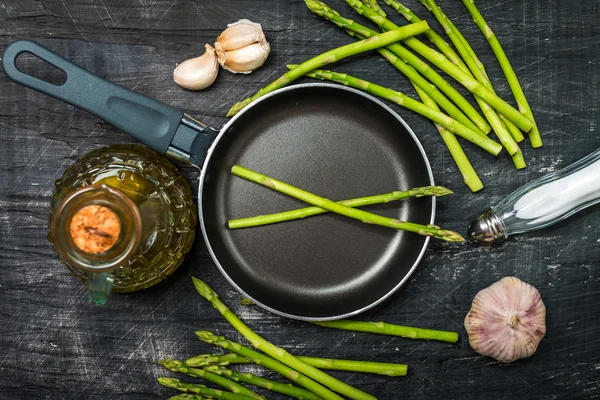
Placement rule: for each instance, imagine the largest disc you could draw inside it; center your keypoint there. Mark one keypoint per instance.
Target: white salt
(555, 199)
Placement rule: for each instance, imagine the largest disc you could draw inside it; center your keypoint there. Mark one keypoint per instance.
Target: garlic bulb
(507, 320)
(242, 47)
(197, 73)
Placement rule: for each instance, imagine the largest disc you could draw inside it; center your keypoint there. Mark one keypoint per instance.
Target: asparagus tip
(168, 382)
(205, 336)
(203, 288)
(449, 236)
(246, 301)
(442, 191)
(170, 363)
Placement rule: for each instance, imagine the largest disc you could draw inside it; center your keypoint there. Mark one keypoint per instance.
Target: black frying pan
(328, 139)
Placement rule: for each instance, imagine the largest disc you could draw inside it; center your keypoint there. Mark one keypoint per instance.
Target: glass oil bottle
(122, 219)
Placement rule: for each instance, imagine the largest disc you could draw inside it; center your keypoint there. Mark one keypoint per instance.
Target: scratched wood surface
(55, 345)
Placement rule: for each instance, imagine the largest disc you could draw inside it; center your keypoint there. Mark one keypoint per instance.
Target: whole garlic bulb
(242, 47)
(198, 73)
(507, 320)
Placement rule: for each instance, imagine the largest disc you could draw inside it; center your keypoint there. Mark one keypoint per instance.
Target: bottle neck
(97, 228)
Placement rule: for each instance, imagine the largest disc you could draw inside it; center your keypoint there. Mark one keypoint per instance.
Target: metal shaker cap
(487, 228)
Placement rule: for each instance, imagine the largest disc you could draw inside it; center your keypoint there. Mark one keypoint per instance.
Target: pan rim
(202, 177)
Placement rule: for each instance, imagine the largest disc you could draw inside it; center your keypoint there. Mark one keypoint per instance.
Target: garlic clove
(198, 73)
(246, 59)
(507, 320)
(240, 34)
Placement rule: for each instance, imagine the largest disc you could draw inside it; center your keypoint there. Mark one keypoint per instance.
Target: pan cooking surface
(335, 143)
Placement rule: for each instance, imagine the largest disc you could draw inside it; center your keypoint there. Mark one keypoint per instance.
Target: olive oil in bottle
(121, 218)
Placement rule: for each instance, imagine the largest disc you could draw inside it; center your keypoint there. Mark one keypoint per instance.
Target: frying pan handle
(148, 120)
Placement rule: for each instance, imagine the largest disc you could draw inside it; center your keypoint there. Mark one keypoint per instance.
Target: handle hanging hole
(34, 66)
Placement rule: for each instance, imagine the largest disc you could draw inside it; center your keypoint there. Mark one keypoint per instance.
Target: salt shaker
(542, 202)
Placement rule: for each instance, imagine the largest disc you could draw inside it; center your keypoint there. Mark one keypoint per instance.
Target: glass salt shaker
(542, 202)
(121, 219)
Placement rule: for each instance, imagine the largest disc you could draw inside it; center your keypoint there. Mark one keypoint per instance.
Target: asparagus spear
(477, 70)
(372, 367)
(403, 60)
(383, 328)
(332, 56)
(402, 100)
(244, 300)
(375, 6)
(199, 389)
(188, 396)
(512, 128)
(358, 202)
(519, 160)
(178, 366)
(449, 52)
(509, 73)
(295, 375)
(467, 171)
(366, 217)
(280, 354)
(204, 360)
(284, 388)
(444, 64)
(388, 369)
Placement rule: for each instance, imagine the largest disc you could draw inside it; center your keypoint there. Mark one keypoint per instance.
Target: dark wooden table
(55, 345)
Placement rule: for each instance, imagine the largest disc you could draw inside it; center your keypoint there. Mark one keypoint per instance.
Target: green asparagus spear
(280, 354)
(383, 328)
(295, 375)
(512, 128)
(470, 177)
(375, 6)
(204, 360)
(200, 389)
(244, 300)
(284, 388)
(403, 60)
(178, 366)
(509, 73)
(402, 100)
(366, 217)
(519, 160)
(358, 202)
(332, 56)
(188, 396)
(317, 362)
(388, 369)
(478, 72)
(444, 64)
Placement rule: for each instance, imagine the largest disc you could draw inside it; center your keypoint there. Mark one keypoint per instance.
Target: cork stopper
(95, 229)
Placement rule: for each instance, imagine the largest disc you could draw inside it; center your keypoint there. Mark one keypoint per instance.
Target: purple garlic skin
(507, 320)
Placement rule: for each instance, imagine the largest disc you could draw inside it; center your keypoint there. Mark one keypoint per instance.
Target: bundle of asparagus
(306, 372)
(451, 112)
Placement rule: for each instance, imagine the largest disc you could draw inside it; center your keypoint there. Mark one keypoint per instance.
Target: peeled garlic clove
(198, 73)
(240, 34)
(246, 59)
(507, 320)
